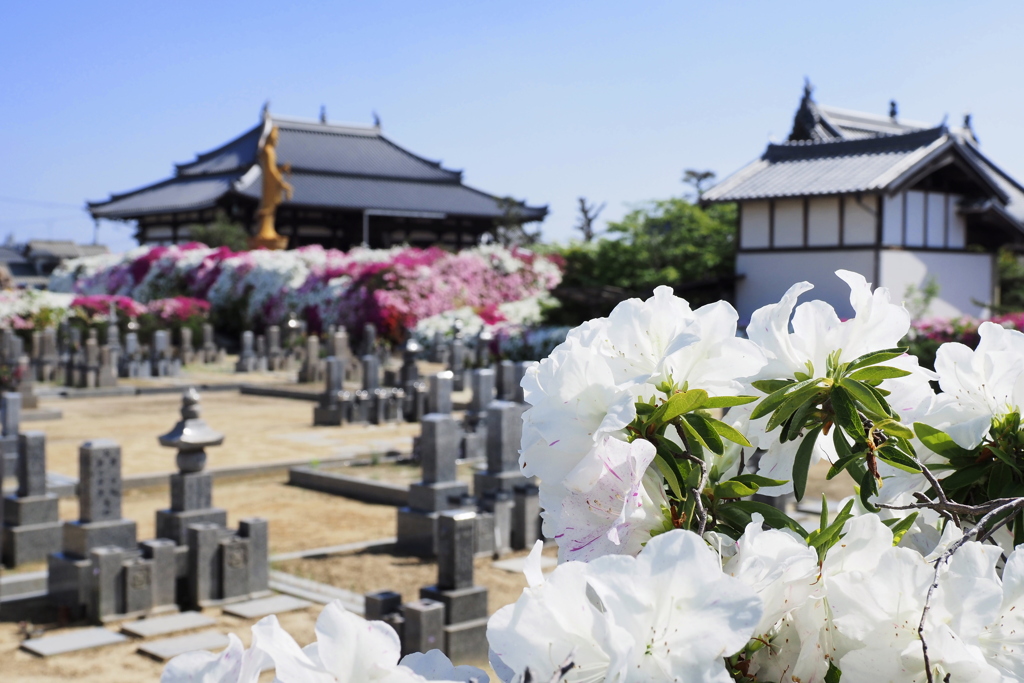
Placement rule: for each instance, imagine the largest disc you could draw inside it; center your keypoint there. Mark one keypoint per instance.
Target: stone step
(160, 626)
(168, 648)
(257, 609)
(316, 591)
(82, 639)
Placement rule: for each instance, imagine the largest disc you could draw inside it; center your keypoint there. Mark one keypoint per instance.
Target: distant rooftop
(834, 151)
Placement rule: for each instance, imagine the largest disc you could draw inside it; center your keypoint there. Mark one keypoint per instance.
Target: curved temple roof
(332, 166)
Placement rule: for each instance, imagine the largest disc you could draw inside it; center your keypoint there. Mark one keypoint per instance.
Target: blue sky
(545, 101)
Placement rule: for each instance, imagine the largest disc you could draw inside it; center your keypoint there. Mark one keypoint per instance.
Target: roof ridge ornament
(892, 109)
(265, 111)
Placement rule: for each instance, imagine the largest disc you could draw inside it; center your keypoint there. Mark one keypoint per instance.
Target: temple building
(903, 203)
(351, 186)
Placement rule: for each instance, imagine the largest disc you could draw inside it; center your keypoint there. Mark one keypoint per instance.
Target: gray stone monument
(330, 411)
(275, 353)
(522, 367)
(371, 372)
(504, 434)
(409, 372)
(439, 398)
(99, 502)
(10, 417)
(506, 381)
(247, 356)
(209, 345)
(465, 603)
(191, 487)
(186, 351)
(457, 364)
(439, 490)
(31, 522)
(311, 368)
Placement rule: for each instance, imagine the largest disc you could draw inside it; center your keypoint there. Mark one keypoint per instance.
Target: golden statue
(273, 186)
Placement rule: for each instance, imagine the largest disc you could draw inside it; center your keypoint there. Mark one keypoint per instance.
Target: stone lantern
(191, 487)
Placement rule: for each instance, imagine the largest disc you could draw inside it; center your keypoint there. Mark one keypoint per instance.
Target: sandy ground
(257, 430)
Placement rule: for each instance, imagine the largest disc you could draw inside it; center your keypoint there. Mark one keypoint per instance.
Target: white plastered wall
(769, 274)
(963, 279)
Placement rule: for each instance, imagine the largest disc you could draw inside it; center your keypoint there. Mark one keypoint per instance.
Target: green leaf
(734, 489)
(727, 431)
(897, 459)
(770, 386)
(899, 529)
(802, 463)
(774, 400)
(846, 413)
(862, 394)
(823, 519)
(791, 430)
(833, 675)
(876, 357)
(772, 516)
(840, 465)
(894, 428)
(758, 480)
(868, 488)
(823, 538)
(704, 429)
(644, 408)
(964, 478)
(1005, 457)
(877, 373)
(671, 474)
(794, 400)
(839, 441)
(693, 441)
(728, 401)
(680, 403)
(939, 441)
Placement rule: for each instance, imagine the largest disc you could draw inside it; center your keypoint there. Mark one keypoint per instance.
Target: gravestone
(247, 356)
(187, 351)
(99, 502)
(31, 521)
(275, 353)
(49, 357)
(209, 345)
(160, 355)
(108, 370)
(483, 348)
(415, 402)
(439, 489)
(506, 381)
(90, 371)
(439, 398)
(526, 521)
(457, 364)
(311, 368)
(409, 372)
(504, 434)
(10, 418)
(330, 411)
(465, 603)
(369, 341)
(371, 372)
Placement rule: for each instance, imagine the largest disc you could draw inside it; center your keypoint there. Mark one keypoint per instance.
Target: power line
(34, 202)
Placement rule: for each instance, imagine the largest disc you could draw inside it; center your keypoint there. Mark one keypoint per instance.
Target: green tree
(666, 242)
(220, 233)
(510, 227)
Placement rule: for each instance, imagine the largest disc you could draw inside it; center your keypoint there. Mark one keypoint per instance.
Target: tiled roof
(350, 167)
(192, 193)
(816, 168)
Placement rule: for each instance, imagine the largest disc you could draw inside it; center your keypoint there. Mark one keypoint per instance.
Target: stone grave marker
(31, 521)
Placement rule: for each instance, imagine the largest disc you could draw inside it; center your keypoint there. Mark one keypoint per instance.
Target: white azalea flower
(816, 333)
(349, 649)
(779, 566)
(881, 609)
(614, 502)
(676, 621)
(980, 385)
(1003, 638)
(588, 387)
(234, 664)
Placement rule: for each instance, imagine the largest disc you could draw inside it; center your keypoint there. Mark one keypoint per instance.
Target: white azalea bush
(650, 430)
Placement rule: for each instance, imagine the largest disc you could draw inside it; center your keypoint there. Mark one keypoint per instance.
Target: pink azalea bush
(927, 335)
(392, 288)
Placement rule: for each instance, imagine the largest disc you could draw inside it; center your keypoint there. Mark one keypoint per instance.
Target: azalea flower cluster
(392, 288)
(347, 650)
(28, 309)
(650, 430)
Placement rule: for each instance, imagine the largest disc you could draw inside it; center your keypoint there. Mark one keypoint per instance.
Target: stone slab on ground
(516, 565)
(40, 414)
(168, 648)
(315, 591)
(84, 639)
(161, 626)
(257, 609)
